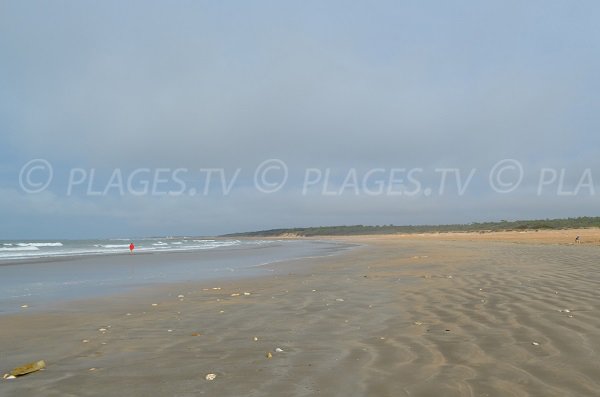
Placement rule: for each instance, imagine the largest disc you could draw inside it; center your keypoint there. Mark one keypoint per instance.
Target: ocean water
(44, 274)
(29, 249)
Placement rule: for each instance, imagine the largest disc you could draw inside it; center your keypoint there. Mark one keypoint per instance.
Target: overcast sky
(344, 85)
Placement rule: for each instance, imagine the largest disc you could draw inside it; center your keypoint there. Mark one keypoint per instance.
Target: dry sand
(589, 236)
(399, 316)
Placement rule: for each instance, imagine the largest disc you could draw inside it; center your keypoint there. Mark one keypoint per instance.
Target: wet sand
(398, 316)
(42, 283)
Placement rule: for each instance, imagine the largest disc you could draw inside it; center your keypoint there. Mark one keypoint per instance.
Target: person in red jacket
(131, 247)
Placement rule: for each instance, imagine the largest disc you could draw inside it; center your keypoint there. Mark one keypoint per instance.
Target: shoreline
(395, 316)
(51, 282)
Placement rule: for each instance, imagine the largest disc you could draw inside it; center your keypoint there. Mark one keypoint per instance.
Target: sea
(29, 249)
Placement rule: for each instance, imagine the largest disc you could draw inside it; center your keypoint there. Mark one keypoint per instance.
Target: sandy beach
(430, 315)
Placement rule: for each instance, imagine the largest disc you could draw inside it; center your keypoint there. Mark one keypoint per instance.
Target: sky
(153, 118)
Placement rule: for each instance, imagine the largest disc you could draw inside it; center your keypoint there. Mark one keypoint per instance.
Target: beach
(513, 314)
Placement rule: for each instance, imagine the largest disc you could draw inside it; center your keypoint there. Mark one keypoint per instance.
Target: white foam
(40, 244)
(21, 248)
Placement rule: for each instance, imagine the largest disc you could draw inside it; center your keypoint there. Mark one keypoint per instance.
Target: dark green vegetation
(569, 223)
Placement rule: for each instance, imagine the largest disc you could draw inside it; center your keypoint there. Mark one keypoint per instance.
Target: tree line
(522, 225)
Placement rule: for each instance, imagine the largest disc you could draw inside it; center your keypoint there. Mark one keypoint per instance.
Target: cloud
(336, 85)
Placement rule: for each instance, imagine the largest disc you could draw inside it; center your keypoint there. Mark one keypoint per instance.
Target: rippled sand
(396, 317)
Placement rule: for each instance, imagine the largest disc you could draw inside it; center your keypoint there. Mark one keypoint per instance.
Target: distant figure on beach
(131, 247)
(577, 240)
